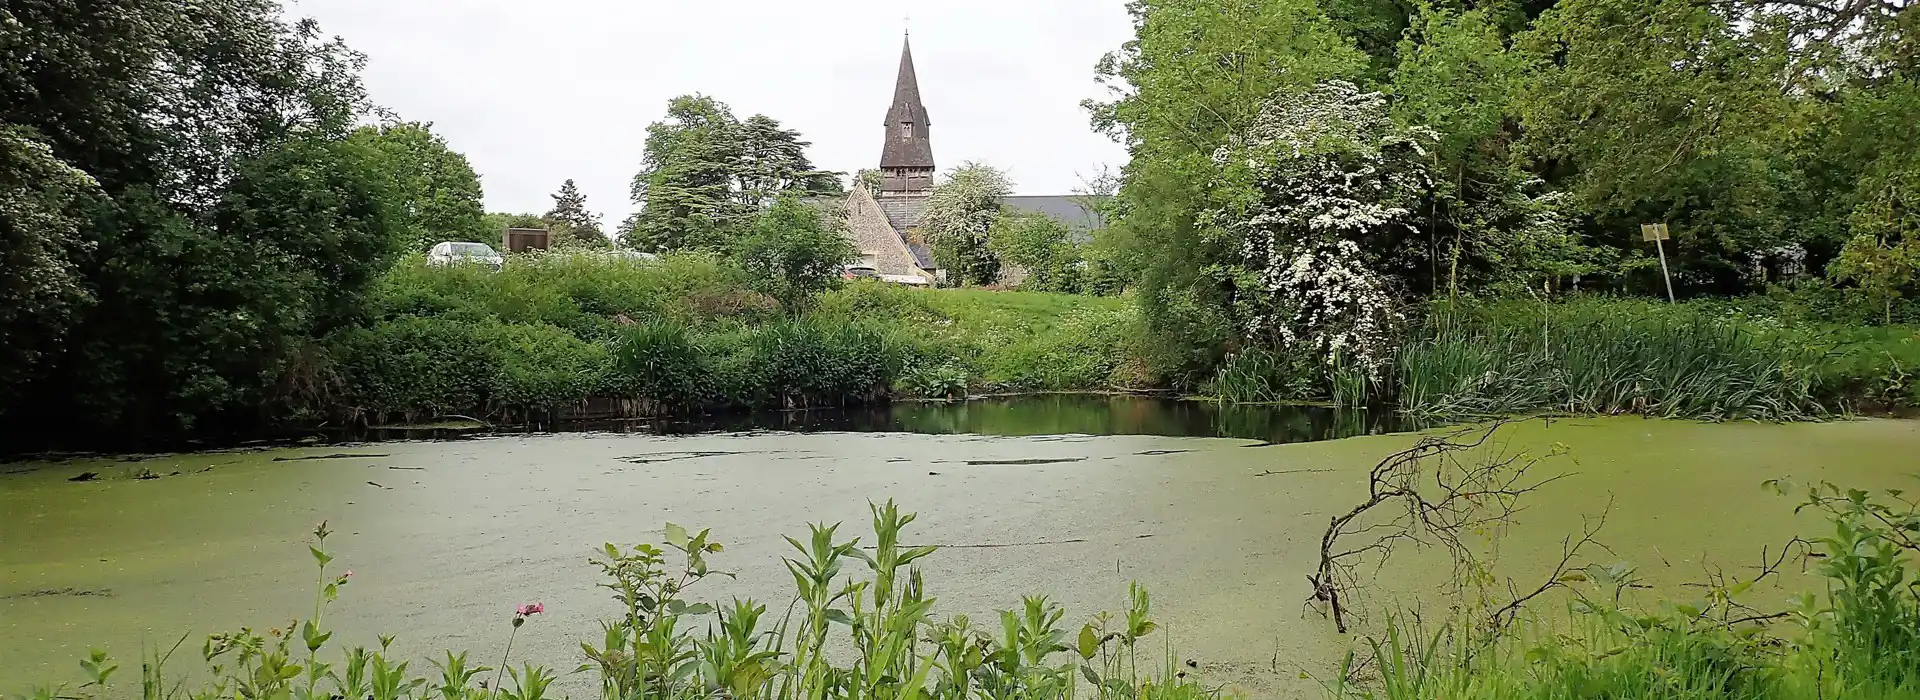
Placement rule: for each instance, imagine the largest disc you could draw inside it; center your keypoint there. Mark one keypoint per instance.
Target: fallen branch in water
(1562, 574)
(1443, 498)
(1271, 472)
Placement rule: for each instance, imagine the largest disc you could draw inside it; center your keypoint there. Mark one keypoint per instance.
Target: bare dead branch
(1505, 615)
(1446, 487)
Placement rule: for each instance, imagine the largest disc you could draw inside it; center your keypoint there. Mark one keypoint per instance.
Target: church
(885, 225)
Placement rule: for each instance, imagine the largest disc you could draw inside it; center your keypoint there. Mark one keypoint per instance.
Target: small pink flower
(530, 609)
(347, 575)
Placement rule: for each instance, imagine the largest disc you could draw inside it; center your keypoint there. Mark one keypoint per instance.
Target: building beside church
(885, 225)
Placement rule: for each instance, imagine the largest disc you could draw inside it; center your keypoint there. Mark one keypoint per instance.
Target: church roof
(1078, 211)
(916, 150)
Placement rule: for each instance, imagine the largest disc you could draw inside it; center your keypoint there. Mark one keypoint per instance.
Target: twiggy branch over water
(1449, 487)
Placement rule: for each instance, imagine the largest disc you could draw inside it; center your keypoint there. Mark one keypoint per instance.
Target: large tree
(1196, 74)
(438, 193)
(571, 220)
(706, 175)
(232, 223)
(41, 290)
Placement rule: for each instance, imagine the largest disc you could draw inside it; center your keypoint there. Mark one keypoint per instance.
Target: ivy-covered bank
(575, 334)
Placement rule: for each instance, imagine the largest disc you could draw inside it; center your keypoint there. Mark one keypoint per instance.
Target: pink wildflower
(530, 609)
(347, 575)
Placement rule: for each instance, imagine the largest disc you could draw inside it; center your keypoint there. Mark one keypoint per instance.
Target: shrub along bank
(687, 333)
(547, 335)
(1604, 355)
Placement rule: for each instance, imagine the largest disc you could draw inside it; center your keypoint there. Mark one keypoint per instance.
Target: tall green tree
(1489, 221)
(1882, 259)
(959, 216)
(571, 220)
(438, 192)
(706, 175)
(1197, 73)
(773, 163)
(793, 253)
(234, 223)
(42, 202)
(685, 183)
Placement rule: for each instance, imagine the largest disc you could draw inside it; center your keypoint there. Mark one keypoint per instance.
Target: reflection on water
(1051, 414)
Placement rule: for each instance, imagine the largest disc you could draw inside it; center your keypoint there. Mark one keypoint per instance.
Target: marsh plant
(861, 624)
(1857, 638)
(1605, 358)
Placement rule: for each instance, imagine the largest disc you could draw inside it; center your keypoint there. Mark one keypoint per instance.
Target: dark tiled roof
(1075, 210)
(922, 256)
(904, 212)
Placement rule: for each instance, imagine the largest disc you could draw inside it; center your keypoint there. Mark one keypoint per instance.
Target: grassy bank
(545, 334)
(1596, 355)
(549, 336)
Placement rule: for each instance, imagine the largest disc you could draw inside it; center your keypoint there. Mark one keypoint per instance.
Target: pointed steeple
(908, 152)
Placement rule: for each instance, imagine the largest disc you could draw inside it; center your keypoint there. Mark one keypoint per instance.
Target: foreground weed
(860, 625)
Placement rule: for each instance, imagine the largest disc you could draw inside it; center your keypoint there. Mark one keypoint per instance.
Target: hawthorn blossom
(1327, 181)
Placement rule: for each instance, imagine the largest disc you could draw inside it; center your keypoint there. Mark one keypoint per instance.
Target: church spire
(906, 161)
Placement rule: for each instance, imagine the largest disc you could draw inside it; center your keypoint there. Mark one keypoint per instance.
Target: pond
(1050, 414)
(1069, 496)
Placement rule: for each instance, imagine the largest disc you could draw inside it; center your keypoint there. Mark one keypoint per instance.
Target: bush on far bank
(688, 333)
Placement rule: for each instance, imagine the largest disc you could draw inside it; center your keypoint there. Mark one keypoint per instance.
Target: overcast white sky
(537, 92)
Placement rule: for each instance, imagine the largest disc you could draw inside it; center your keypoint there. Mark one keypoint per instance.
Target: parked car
(909, 280)
(465, 253)
(855, 272)
(635, 255)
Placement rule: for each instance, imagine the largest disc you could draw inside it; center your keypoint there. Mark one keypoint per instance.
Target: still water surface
(1071, 496)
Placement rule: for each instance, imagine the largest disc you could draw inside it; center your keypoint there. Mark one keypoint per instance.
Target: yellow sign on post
(1658, 233)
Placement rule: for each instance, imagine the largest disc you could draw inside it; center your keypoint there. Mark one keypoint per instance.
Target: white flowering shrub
(1776, 263)
(1316, 197)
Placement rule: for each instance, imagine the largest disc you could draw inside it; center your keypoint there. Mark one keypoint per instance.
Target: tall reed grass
(1603, 357)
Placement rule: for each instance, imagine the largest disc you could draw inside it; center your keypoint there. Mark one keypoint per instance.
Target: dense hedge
(686, 334)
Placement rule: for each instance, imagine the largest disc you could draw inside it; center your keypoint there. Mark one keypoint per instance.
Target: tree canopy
(570, 219)
(438, 191)
(959, 215)
(1764, 132)
(185, 207)
(706, 175)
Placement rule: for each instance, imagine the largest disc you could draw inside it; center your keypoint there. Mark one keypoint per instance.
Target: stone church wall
(873, 234)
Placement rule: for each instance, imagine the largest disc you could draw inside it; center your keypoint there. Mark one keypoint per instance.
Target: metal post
(1663, 268)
